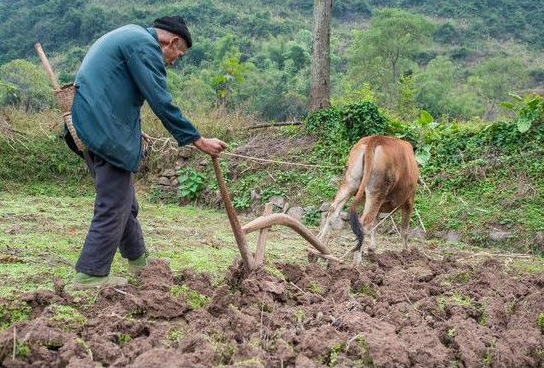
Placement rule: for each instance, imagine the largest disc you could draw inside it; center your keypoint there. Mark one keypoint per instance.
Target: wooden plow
(263, 223)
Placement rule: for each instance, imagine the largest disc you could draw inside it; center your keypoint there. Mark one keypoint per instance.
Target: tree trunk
(321, 63)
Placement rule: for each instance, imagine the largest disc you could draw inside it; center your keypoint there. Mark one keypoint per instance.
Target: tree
(30, 82)
(384, 53)
(320, 89)
(495, 78)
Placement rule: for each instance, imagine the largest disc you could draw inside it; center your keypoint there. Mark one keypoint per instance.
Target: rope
(279, 162)
(169, 143)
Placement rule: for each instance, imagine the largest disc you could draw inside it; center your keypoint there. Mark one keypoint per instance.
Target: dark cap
(174, 24)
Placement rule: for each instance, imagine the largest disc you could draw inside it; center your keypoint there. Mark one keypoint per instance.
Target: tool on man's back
(64, 96)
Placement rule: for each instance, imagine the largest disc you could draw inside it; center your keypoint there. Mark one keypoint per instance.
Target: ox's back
(393, 168)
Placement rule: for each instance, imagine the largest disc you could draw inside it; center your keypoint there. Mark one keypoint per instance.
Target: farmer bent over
(122, 69)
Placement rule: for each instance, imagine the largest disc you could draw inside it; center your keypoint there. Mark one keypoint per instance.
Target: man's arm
(149, 74)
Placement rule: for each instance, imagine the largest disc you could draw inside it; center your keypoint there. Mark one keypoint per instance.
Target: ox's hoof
(312, 258)
(357, 258)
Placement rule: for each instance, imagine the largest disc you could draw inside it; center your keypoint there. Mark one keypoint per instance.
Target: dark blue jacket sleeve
(148, 71)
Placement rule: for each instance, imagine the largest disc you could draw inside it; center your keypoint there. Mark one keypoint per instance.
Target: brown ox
(384, 173)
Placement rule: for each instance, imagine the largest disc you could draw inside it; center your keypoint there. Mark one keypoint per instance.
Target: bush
(338, 128)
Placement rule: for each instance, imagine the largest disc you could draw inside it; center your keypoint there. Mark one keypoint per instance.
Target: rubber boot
(83, 281)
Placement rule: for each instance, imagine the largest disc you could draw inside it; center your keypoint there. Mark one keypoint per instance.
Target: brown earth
(401, 309)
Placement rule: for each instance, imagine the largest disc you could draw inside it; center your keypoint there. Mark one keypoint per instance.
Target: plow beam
(267, 221)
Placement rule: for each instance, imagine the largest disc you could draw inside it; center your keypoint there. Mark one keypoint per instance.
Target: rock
(169, 173)
(417, 233)
(452, 237)
(344, 215)
(539, 241)
(203, 164)
(421, 274)
(296, 212)
(303, 361)
(498, 235)
(174, 182)
(186, 152)
(337, 224)
(278, 201)
(163, 180)
(325, 207)
(255, 195)
(335, 181)
(286, 207)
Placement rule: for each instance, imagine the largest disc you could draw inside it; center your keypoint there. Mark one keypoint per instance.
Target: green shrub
(338, 128)
(191, 183)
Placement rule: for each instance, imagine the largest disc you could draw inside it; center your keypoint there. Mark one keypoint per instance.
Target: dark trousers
(114, 224)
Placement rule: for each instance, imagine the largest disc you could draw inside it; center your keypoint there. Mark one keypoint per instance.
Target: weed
(441, 301)
(540, 322)
(367, 290)
(224, 350)
(22, 350)
(190, 183)
(194, 299)
(252, 362)
(488, 354)
(174, 336)
(242, 202)
(364, 352)
(273, 271)
(332, 358)
(311, 217)
(451, 333)
(12, 313)
(66, 317)
(315, 288)
(461, 277)
(269, 192)
(300, 317)
(482, 320)
(137, 312)
(459, 299)
(123, 339)
(53, 344)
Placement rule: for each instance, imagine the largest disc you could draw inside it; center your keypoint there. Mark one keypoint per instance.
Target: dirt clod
(402, 309)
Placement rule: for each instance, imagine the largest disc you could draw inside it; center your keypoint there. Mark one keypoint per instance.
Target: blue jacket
(121, 70)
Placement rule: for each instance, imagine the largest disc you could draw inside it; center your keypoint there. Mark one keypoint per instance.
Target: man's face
(176, 48)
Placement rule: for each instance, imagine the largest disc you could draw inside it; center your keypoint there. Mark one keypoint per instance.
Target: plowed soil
(401, 309)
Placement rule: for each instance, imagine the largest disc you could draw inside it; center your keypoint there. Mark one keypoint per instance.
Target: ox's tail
(357, 229)
(353, 217)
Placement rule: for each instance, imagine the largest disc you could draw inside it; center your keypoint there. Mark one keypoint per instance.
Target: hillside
(265, 47)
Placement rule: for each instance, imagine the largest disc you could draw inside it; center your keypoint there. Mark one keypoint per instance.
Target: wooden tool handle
(47, 66)
(247, 257)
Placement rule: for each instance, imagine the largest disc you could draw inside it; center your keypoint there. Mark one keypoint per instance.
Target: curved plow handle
(247, 257)
(285, 220)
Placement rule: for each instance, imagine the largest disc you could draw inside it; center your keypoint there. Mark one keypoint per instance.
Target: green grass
(192, 297)
(44, 235)
(66, 317)
(473, 211)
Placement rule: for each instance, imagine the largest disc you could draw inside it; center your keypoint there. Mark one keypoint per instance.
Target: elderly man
(121, 70)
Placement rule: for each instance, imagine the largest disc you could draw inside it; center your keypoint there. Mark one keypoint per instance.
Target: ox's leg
(368, 220)
(342, 196)
(351, 183)
(407, 208)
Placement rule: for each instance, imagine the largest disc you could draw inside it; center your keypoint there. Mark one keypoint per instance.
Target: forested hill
(237, 42)
(61, 24)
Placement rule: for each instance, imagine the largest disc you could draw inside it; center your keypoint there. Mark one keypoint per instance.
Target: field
(431, 305)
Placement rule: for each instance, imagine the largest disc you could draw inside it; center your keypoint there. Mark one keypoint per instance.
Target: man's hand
(211, 146)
